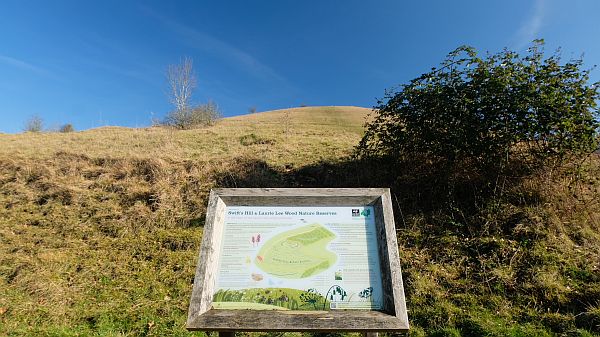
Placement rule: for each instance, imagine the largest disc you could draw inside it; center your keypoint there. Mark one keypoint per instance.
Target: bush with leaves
(490, 112)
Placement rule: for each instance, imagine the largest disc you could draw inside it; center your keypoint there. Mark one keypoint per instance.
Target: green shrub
(489, 111)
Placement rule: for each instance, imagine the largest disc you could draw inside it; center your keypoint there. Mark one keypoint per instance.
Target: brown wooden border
(392, 318)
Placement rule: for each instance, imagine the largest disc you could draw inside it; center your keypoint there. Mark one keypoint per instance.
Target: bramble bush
(489, 113)
(487, 158)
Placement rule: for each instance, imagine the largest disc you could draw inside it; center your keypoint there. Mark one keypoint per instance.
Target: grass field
(100, 229)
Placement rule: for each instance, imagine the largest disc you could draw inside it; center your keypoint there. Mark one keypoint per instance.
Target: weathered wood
(276, 320)
(204, 280)
(393, 317)
(299, 196)
(393, 286)
(296, 192)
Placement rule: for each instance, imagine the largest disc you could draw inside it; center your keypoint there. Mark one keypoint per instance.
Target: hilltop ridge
(283, 131)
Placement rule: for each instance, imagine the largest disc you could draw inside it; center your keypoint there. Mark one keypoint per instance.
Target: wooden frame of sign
(202, 316)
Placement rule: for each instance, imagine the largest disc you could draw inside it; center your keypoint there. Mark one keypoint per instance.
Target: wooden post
(226, 334)
(370, 334)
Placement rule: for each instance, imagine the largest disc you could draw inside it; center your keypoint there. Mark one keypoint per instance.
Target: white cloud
(11, 61)
(203, 41)
(530, 29)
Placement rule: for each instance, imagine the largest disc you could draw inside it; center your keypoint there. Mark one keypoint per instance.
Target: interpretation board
(298, 260)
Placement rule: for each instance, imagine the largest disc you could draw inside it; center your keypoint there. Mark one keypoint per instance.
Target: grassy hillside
(100, 229)
(281, 131)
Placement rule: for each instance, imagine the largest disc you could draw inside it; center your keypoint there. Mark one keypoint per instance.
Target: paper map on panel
(299, 258)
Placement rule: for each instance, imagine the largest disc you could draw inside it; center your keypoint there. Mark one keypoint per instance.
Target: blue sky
(103, 62)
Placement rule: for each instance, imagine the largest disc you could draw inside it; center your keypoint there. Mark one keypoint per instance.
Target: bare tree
(181, 82)
(34, 124)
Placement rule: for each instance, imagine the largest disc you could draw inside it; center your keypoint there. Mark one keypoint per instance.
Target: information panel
(298, 258)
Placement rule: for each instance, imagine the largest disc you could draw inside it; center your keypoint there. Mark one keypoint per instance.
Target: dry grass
(310, 139)
(99, 230)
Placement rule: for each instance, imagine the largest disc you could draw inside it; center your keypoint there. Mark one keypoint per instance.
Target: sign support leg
(370, 334)
(226, 334)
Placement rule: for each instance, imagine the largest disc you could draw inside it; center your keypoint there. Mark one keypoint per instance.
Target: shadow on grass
(459, 231)
(452, 199)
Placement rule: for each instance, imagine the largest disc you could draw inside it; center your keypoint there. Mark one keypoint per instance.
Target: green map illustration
(297, 253)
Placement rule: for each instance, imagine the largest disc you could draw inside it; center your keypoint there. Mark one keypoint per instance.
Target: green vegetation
(100, 229)
(275, 298)
(246, 305)
(491, 112)
(498, 193)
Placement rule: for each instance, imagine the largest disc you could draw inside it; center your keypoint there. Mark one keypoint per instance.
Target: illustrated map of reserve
(297, 253)
(299, 258)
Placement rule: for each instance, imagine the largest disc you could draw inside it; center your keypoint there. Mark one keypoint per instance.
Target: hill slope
(100, 229)
(282, 131)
